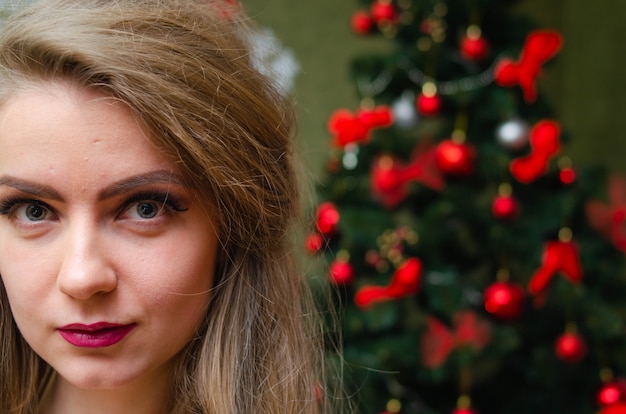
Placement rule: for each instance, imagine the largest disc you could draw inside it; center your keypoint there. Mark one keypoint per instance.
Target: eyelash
(166, 201)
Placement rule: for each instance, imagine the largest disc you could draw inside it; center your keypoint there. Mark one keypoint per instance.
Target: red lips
(97, 335)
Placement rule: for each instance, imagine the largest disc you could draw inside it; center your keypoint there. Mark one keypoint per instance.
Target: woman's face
(106, 256)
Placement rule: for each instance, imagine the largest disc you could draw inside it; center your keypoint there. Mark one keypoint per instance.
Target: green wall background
(586, 82)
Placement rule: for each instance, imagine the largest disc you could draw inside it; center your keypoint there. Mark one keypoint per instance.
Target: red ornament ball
(570, 347)
(383, 11)
(388, 182)
(464, 411)
(327, 218)
(313, 243)
(567, 175)
(617, 408)
(341, 272)
(504, 300)
(361, 22)
(474, 46)
(504, 207)
(387, 174)
(455, 158)
(612, 392)
(428, 104)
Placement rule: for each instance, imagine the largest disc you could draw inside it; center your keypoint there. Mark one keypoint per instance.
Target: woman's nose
(86, 270)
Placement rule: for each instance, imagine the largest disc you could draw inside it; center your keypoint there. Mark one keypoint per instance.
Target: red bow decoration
(348, 127)
(439, 341)
(405, 281)
(558, 256)
(540, 46)
(544, 143)
(609, 220)
(390, 178)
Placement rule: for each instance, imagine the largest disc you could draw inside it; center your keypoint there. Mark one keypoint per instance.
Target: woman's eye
(147, 209)
(31, 212)
(150, 206)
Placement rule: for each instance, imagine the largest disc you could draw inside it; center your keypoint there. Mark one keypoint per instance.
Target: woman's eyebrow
(120, 187)
(136, 181)
(29, 187)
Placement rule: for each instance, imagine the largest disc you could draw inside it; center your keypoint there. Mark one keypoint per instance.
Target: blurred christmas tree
(478, 270)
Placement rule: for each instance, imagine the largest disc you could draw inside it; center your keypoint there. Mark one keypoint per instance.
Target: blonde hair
(183, 67)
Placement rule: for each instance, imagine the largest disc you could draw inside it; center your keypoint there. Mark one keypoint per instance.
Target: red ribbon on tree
(540, 46)
(544, 143)
(469, 331)
(609, 220)
(390, 177)
(356, 128)
(558, 257)
(405, 281)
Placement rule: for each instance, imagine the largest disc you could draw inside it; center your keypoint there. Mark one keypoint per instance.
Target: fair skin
(106, 256)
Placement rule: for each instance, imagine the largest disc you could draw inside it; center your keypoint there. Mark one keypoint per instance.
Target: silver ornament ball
(404, 113)
(513, 134)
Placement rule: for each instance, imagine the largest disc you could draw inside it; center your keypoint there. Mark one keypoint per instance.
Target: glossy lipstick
(96, 335)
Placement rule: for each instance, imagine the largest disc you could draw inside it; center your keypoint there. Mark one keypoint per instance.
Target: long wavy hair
(184, 69)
